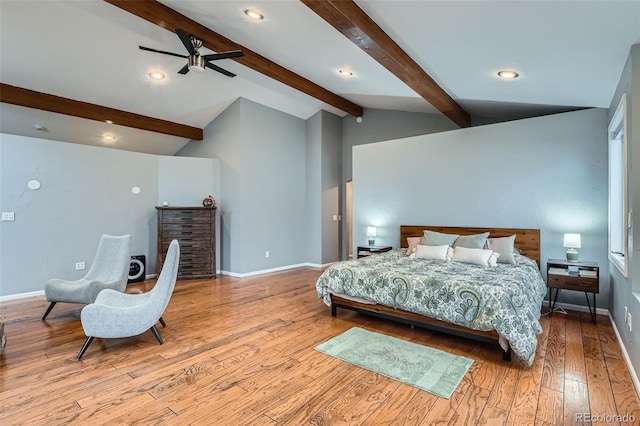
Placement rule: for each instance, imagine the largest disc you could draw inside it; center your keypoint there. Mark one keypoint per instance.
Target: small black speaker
(137, 268)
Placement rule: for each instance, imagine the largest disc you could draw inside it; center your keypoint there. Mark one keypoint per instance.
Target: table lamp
(572, 242)
(371, 233)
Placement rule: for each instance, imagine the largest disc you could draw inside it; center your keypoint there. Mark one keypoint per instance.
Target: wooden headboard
(527, 240)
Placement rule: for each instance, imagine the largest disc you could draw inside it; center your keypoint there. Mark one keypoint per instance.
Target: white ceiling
(570, 54)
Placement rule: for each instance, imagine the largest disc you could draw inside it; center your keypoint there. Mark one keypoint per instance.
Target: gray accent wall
(547, 172)
(324, 169)
(331, 160)
(85, 192)
(263, 203)
(625, 291)
(314, 185)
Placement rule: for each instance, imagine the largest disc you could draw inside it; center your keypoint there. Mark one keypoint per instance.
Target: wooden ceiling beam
(43, 101)
(357, 26)
(169, 19)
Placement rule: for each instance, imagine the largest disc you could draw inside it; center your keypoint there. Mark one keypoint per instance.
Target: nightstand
(364, 251)
(576, 276)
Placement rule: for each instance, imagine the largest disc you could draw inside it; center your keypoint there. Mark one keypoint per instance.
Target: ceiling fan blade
(223, 55)
(184, 69)
(163, 52)
(220, 70)
(186, 40)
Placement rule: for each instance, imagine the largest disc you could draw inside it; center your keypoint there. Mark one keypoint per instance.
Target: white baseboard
(625, 355)
(22, 295)
(267, 271)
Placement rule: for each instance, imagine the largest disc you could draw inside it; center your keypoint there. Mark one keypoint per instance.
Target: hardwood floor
(240, 351)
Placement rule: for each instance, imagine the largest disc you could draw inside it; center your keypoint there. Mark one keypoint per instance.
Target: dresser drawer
(186, 232)
(185, 216)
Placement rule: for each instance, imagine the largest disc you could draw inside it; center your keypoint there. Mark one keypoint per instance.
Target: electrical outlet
(266, 254)
(80, 266)
(8, 216)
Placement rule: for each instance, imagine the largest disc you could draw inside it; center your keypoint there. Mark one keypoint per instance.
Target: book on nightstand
(558, 271)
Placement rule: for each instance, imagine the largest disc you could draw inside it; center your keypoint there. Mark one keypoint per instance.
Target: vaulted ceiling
(68, 66)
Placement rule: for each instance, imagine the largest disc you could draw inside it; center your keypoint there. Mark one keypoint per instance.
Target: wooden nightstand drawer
(571, 282)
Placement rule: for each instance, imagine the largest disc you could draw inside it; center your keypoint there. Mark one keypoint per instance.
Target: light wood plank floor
(240, 352)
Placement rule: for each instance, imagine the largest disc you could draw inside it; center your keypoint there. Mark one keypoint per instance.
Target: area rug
(426, 368)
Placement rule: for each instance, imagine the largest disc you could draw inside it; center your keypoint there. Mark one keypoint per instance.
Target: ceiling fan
(195, 60)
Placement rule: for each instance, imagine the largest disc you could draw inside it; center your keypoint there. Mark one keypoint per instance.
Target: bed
(498, 304)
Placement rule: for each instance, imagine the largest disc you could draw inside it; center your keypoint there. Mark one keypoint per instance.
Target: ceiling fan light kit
(195, 61)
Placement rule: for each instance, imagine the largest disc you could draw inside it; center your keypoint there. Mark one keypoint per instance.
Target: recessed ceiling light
(40, 127)
(156, 75)
(345, 72)
(508, 74)
(108, 121)
(108, 138)
(254, 14)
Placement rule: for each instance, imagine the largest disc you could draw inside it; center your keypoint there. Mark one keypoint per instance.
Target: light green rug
(426, 368)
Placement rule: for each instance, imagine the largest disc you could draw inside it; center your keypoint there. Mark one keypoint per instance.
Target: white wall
(547, 172)
(381, 125)
(85, 192)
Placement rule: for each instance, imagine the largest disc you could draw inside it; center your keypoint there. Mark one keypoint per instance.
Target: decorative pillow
(432, 238)
(504, 246)
(472, 241)
(412, 244)
(475, 256)
(432, 252)
(493, 259)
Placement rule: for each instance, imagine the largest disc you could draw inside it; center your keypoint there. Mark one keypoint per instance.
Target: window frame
(619, 123)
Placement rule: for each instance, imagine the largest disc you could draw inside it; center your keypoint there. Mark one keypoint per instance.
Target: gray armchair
(110, 269)
(116, 315)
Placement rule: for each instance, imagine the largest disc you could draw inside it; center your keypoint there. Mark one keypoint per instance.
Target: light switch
(8, 216)
(335, 217)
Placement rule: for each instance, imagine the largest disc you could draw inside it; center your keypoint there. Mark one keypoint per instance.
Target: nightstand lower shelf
(552, 304)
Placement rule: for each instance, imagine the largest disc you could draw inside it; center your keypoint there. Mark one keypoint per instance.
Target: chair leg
(164, 324)
(85, 346)
(154, 330)
(51, 305)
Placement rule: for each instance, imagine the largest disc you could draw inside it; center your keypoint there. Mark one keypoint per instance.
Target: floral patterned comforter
(505, 298)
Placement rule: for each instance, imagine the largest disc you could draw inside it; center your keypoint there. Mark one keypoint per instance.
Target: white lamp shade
(572, 240)
(371, 231)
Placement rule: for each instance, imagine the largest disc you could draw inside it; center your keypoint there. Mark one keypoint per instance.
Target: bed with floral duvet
(502, 302)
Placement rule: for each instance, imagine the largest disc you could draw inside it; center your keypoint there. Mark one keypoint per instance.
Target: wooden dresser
(195, 230)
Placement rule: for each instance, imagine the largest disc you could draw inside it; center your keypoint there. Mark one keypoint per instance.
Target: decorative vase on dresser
(195, 230)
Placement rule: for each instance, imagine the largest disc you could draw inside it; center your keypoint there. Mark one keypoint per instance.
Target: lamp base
(572, 255)
(372, 242)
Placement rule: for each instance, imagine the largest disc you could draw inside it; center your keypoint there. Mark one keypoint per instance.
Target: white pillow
(432, 252)
(476, 256)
